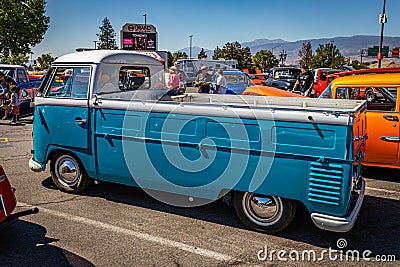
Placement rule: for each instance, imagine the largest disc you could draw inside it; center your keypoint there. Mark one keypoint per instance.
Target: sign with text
(139, 37)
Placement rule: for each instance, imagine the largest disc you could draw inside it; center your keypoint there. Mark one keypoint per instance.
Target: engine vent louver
(325, 184)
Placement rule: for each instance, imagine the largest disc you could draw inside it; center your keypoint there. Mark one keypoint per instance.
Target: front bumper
(340, 224)
(35, 166)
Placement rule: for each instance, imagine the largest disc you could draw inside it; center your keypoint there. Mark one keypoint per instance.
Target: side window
(323, 76)
(342, 93)
(69, 83)
(134, 78)
(21, 76)
(379, 98)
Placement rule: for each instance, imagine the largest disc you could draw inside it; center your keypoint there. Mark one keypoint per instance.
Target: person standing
(15, 103)
(203, 81)
(305, 81)
(182, 76)
(221, 83)
(6, 82)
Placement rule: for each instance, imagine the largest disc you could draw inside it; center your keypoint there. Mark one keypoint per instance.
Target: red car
(321, 80)
(8, 203)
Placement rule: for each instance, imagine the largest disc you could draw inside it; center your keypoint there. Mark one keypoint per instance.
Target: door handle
(390, 138)
(80, 120)
(391, 117)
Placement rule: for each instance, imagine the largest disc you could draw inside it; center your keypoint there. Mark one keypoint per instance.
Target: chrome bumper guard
(35, 166)
(340, 224)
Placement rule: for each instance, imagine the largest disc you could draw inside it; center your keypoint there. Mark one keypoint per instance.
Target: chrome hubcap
(262, 210)
(67, 170)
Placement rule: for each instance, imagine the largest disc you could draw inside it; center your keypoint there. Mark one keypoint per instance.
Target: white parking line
(156, 239)
(382, 190)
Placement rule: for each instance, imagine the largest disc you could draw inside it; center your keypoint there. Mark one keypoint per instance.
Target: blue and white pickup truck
(20, 75)
(113, 120)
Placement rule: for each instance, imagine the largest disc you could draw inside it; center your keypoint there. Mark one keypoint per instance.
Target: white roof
(10, 66)
(108, 56)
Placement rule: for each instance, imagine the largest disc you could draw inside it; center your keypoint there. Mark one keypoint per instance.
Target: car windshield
(7, 71)
(327, 93)
(287, 74)
(235, 79)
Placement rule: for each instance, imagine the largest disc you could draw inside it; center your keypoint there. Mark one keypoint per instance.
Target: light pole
(32, 60)
(332, 51)
(282, 57)
(145, 19)
(190, 47)
(382, 21)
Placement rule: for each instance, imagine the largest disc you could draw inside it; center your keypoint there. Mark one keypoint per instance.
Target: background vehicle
(8, 203)
(321, 80)
(383, 113)
(282, 77)
(269, 91)
(259, 79)
(20, 75)
(237, 81)
(192, 67)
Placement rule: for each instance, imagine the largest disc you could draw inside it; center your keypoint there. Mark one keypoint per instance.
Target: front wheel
(268, 214)
(68, 174)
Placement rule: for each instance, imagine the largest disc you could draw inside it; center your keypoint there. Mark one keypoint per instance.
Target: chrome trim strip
(4, 206)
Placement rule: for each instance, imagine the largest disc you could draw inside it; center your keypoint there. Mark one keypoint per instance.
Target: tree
(202, 54)
(327, 55)
(106, 36)
(170, 59)
(19, 59)
(305, 54)
(265, 60)
(235, 51)
(178, 55)
(22, 26)
(217, 53)
(44, 61)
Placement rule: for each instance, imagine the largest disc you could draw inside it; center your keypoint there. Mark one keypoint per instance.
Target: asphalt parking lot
(114, 225)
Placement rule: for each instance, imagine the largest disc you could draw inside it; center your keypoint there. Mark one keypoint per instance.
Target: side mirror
(24, 94)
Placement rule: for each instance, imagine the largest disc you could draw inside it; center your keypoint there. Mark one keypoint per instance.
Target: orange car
(383, 114)
(268, 91)
(259, 79)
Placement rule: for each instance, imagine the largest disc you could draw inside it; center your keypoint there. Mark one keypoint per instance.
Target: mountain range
(348, 46)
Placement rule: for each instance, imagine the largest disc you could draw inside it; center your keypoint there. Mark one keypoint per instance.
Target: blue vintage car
(237, 81)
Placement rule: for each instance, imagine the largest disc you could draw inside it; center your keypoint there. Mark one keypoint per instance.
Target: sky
(74, 23)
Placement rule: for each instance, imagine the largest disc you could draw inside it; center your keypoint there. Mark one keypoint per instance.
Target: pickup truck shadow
(26, 244)
(376, 228)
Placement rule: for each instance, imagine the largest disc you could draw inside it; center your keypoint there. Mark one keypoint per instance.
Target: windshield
(235, 79)
(287, 74)
(327, 93)
(7, 71)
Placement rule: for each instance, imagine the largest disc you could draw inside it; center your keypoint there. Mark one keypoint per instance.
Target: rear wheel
(68, 173)
(268, 214)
